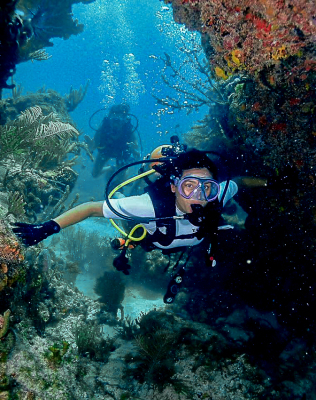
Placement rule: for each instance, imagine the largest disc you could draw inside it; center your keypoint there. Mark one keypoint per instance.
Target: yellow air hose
(130, 236)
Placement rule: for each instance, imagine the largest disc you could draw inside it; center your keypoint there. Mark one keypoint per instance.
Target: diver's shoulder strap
(163, 199)
(164, 204)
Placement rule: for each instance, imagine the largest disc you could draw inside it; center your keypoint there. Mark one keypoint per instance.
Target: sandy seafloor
(133, 303)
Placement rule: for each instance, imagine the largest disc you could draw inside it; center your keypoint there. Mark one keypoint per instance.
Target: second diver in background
(114, 139)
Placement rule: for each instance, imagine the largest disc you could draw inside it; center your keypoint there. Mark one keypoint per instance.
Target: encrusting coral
(4, 323)
(248, 36)
(11, 257)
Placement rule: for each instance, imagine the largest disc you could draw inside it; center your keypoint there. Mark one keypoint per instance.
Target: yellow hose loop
(129, 236)
(138, 239)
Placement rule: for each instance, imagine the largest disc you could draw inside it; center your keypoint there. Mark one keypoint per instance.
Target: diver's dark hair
(193, 159)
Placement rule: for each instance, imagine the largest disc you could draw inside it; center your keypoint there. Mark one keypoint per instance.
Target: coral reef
(271, 45)
(34, 155)
(61, 349)
(250, 36)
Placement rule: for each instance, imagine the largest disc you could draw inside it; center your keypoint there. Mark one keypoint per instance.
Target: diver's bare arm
(249, 182)
(79, 213)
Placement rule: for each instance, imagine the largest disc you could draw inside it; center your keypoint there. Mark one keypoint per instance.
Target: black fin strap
(176, 281)
(212, 239)
(168, 265)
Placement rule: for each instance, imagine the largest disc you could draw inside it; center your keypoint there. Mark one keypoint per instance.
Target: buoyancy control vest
(164, 203)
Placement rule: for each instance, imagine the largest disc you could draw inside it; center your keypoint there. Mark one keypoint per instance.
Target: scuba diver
(180, 209)
(114, 139)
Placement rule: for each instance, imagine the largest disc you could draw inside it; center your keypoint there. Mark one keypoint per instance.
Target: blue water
(119, 52)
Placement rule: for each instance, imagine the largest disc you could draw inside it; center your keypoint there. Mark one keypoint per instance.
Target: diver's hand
(33, 234)
(197, 216)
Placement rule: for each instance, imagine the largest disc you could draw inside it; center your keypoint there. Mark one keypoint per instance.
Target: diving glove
(197, 216)
(33, 234)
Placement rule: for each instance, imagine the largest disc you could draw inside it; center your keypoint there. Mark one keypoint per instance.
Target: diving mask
(197, 188)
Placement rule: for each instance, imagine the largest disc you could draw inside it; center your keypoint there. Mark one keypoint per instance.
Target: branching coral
(191, 92)
(75, 96)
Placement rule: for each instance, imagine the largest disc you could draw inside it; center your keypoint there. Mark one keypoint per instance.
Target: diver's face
(117, 120)
(183, 204)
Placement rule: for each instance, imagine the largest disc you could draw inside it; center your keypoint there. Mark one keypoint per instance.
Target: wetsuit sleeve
(133, 206)
(231, 191)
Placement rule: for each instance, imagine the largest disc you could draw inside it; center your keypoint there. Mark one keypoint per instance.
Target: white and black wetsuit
(142, 206)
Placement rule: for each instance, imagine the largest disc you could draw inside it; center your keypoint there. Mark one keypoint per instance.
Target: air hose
(130, 236)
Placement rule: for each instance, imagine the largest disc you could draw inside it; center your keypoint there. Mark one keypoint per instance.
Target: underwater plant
(128, 328)
(15, 204)
(56, 353)
(154, 361)
(33, 134)
(157, 344)
(90, 342)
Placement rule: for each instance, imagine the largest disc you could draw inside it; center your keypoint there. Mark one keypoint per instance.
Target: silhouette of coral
(111, 289)
(27, 26)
